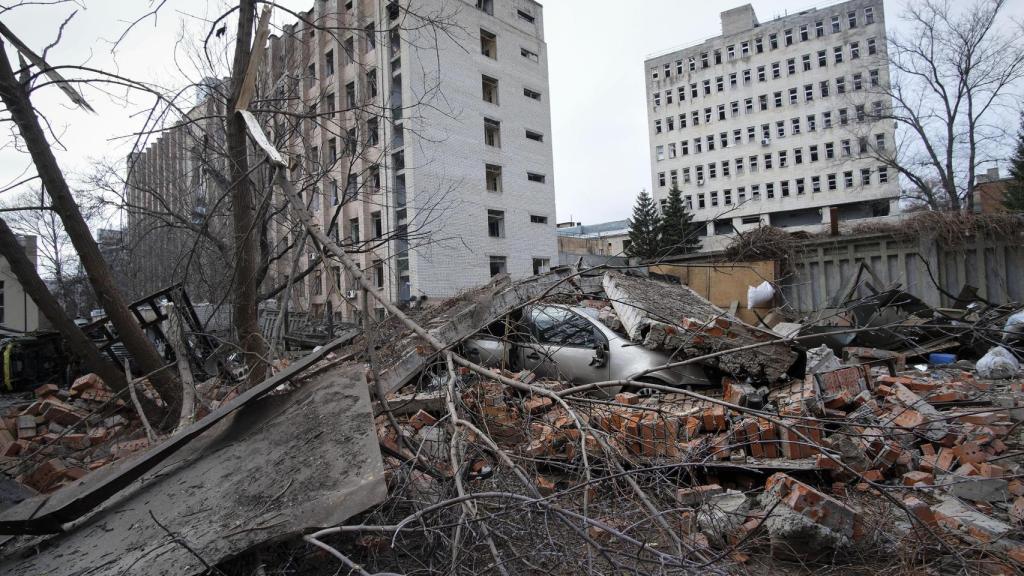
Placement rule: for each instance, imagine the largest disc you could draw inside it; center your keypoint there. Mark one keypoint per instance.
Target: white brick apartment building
(425, 147)
(772, 123)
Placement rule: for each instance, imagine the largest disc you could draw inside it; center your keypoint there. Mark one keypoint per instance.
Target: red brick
(89, 381)
(817, 506)
(56, 411)
(76, 441)
(421, 419)
(873, 475)
(538, 404)
(75, 473)
(46, 390)
(908, 419)
(919, 509)
(696, 495)
(917, 477)
(46, 475)
(991, 470)
(1016, 487)
(714, 419)
(970, 453)
(944, 460)
(824, 462)
(627, 398)
(544, 486)
(1017, 511)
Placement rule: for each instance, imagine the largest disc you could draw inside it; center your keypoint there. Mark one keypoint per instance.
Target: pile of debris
(64, 434)
(941, 444)
(798, 453)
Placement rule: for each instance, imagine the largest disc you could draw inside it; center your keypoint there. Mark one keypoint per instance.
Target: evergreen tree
(644, 228)
(678, 232)
(1013, 199)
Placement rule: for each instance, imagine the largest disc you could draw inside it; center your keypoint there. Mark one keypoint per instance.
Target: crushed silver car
(569, 343)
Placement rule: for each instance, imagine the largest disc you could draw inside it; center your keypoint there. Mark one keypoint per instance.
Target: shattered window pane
(553, 325)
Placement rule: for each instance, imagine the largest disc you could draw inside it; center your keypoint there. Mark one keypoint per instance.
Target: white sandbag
(997, 364)
(760, 296)
(1014, 326)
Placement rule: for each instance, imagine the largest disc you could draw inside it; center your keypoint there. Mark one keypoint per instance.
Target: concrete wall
(824, 265)
(19, 311)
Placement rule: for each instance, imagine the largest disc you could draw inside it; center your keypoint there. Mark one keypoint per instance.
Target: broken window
(531, 94)
(493, 177)
(498, 265)
(329, 62)
(534, 177)
(371, 83)
(350, 95)
(535, 136)
(353, 230)
(372, 132)
(535, 219)
(490, 89)
(525, 16)
(317, 283)
(529, 55)
(496, 223)
(486, 6)
(492, 133)
(371, 37)
(378, 273)
(541, 265)
(350, 48)
(378, 224)
(488, 44)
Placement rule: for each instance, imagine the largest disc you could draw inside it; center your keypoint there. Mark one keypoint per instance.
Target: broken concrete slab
(723, 514)
(406, 354)
(276, 468)
(976, 488)
(675, 318)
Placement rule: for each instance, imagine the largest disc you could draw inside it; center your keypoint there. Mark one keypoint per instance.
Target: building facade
(18, 312)
(776, 123)
(419, 135)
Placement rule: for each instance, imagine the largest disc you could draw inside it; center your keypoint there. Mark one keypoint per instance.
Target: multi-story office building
(420, 136)
(776, 123)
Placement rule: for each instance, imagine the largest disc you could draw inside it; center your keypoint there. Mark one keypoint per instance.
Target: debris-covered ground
(881, 436)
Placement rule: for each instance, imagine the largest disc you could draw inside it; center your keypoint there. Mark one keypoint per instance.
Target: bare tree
(955, 69)
(29, 213)
(15, 93)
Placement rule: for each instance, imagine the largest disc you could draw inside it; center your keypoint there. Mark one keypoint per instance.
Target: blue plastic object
(939, 358)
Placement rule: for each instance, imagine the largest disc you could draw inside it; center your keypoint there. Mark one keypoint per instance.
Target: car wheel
(645, 391)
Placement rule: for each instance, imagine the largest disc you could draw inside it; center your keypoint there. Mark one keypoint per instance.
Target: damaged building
(434, 184)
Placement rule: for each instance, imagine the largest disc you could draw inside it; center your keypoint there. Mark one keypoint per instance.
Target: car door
(563, 345)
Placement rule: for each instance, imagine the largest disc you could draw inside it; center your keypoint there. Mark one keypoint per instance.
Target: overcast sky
(596, 50)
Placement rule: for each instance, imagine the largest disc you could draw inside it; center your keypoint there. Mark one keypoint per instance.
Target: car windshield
(554, 325)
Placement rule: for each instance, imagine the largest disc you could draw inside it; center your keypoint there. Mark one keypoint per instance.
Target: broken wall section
(676, 319)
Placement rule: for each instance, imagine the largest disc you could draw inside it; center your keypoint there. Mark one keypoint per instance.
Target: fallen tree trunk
(15, 97)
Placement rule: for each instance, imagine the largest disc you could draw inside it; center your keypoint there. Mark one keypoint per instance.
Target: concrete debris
(675, 318)
(788, 451)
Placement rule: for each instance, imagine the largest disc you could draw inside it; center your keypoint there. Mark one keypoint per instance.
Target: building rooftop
(613, 228)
